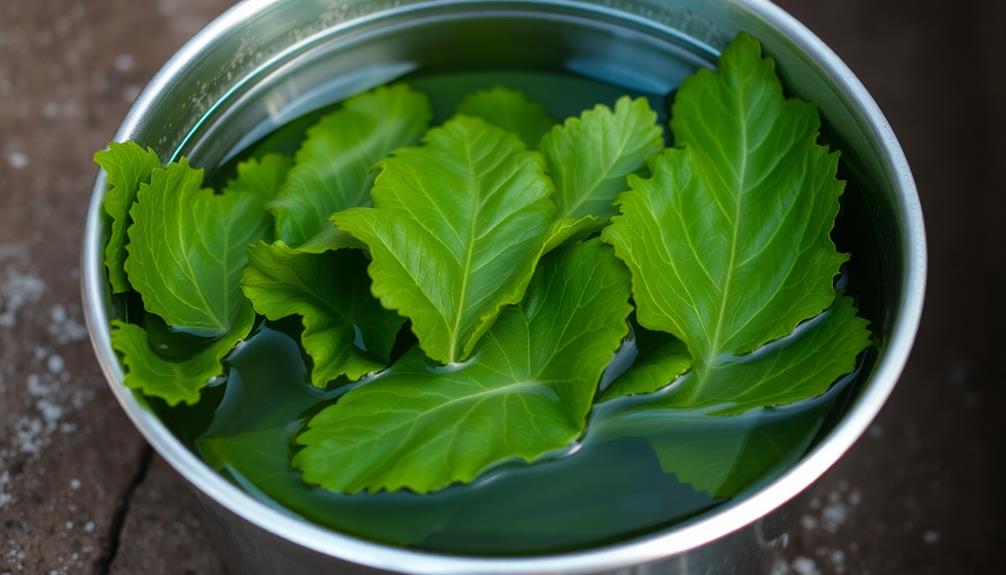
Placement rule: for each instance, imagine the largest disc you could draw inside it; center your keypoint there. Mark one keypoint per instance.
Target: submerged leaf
(723, 459)
(800, 366)
(457, 228)
(187, 247)
(346, 331)
(333, 165)
(525, 393)
(660, 358)
(126, 166)
(510, 110)
(728, 242)
(175, 381)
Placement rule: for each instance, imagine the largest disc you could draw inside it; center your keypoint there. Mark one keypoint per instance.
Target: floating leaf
(728, 242)
(800, 366)
(589, 157)
(346, 331)
(457, 228)
(187, 247)
(510, 110)
(660, 358)
(262, 177)
(126, 166)
(333, 165)
(175, 381)
(525, 393)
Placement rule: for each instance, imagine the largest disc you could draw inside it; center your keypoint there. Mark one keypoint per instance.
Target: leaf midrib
(420, 415)
(713, 349)
(475, 199)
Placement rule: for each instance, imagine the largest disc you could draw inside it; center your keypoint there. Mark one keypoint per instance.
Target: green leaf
(723, 456)
(126, 166)
(333, 165)
(566, 229)
(589, 157)
(346, 331)
(187, 247)
(802, 365)
(525, 393)
(175, 381)
(262, 177)
(723, 460)
(660, 358)
(510, 110)
(728, 242)
(251, 441)
(457, 228)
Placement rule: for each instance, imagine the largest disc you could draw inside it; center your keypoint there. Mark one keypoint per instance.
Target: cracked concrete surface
(69, 459)
(80, 492)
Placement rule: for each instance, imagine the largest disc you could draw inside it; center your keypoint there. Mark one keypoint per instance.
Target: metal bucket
(224, 86)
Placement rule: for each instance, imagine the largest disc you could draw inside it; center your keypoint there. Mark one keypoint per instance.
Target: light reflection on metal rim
(662, 544)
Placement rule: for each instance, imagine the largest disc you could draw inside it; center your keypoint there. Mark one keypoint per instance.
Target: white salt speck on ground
(55, 363)
(5, 497)
(805, 566)
(809, 522)
(53, 399)
(17, 160)
(69, 525)
(51, 412)
(779, 567)
(75, 484)
(64, 327)
(931, 537)
(834, 514)
(16, 291)
(838, 560)
(89, 527)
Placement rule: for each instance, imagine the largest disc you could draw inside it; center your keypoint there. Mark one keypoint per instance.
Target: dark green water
(630, 474)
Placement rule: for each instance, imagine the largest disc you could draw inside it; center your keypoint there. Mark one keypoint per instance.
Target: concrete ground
(80, 492)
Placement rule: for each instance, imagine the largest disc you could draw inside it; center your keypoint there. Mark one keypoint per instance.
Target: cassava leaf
(457, 228)
(346, 331)
(126, 166)
(525, 393)
(187, 247)
(333, 165)
(728, 241)
(510, 110)
(660, 358)
(802, 365)
(175, 381)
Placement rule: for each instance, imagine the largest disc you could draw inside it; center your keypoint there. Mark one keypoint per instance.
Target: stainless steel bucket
(223, 84)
